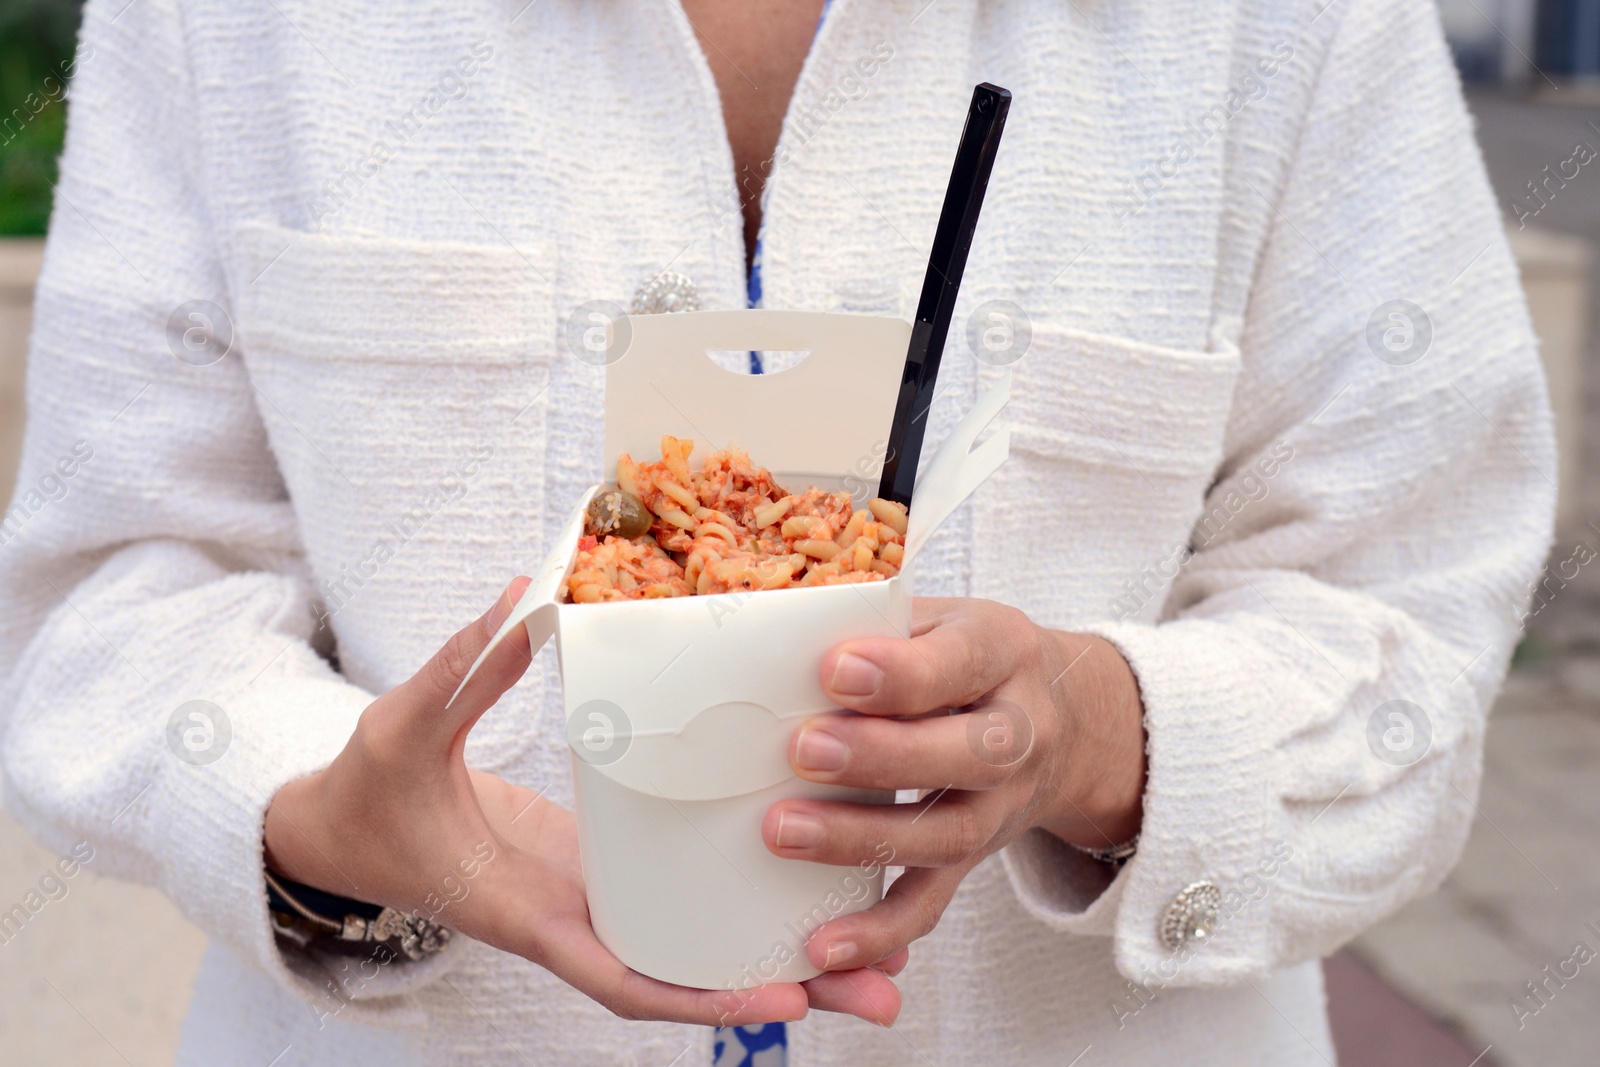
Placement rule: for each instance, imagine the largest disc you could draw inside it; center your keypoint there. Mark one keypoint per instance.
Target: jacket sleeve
(150, 557)
(1316, 687)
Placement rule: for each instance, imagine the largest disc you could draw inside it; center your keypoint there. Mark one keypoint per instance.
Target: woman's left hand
(1051, 736)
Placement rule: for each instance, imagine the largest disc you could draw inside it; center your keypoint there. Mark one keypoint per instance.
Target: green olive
(616, 511)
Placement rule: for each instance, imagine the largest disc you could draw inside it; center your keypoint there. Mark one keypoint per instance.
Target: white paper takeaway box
(679, 711)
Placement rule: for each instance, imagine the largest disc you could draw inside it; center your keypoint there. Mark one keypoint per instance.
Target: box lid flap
(726, 750)
(826, 417)
(958, 468)
(537, 607)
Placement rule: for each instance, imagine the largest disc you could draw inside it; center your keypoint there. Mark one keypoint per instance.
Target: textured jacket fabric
(1287, 506)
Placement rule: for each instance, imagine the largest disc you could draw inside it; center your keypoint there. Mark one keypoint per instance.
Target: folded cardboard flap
(729, 749)
(828, 414)
(538, 608)
(957, 468)
(731, 674)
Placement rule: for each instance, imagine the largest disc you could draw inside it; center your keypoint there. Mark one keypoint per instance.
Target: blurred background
(1469, 977)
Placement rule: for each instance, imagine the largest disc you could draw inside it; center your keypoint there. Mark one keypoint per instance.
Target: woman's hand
(1052, 736)
(397, 819)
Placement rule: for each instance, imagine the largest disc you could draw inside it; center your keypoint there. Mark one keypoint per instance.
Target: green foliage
(1530, 652)
(37, 38)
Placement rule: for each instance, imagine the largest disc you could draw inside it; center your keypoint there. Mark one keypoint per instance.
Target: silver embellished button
(1192, 915)
(667, 292)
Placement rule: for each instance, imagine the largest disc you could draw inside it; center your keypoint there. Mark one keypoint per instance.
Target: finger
(417, 706)
(908, 911)
(552, 928)
(949, 828)
(976, 750)
(575, 955)
(866, 993)
(967, 651)
(894, 964)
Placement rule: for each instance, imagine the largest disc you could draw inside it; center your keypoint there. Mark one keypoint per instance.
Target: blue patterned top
(761, 1045)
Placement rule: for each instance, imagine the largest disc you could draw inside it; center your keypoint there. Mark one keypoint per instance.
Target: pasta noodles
(728, 527)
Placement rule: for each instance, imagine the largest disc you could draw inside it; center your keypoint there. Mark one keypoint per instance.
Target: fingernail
(854, 676)
(818, 750)
(502, 608)
(839, 952)
(798, 830)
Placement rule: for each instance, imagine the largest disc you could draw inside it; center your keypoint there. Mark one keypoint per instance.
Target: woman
(1280, 474)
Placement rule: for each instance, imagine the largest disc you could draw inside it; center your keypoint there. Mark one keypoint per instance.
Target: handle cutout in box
(774, 361)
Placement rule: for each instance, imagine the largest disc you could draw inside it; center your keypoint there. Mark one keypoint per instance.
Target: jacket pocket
(377, 360)
(391, 300)
(1114, 443)
(1099, 400)
(405, 389)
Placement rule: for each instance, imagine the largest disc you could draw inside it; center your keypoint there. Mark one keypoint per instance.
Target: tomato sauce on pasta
(666, 530)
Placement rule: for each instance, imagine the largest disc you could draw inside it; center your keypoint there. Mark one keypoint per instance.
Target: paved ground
(103, 974)
(1375, 1027)
(1527, 888)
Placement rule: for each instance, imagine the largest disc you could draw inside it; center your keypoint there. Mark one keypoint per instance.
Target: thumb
(422, 704)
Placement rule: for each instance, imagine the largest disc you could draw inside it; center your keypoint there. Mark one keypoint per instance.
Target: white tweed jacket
(1285, 505)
